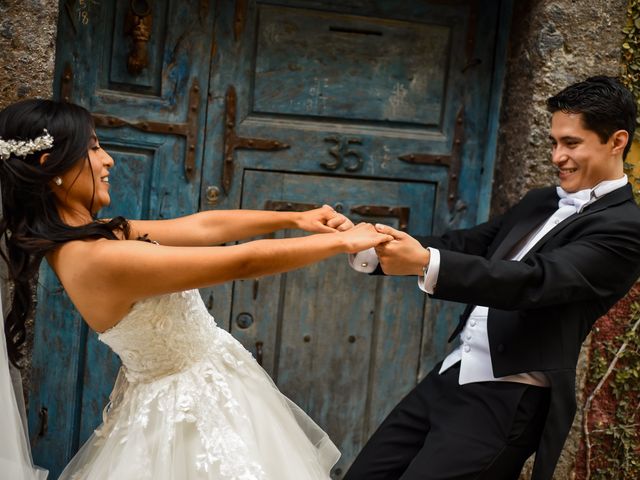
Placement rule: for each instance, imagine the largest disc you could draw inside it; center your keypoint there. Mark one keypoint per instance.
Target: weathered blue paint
(351, 84)
(497, 82)
(376, 54)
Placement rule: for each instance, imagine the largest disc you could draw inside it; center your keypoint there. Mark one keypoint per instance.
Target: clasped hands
(403, 255)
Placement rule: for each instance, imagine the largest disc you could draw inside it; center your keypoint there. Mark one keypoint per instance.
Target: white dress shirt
(473, 351)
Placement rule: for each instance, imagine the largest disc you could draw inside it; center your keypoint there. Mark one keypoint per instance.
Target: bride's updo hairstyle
(30, 224)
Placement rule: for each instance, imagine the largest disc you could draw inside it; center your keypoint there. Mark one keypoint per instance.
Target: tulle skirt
(210, 421)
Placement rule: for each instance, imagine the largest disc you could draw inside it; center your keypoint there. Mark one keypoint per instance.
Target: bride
(189, 401)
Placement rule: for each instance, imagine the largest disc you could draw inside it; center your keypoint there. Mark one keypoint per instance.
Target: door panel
(400, 67)
(344, 346)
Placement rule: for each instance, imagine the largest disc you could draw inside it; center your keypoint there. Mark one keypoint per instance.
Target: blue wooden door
(380, 109)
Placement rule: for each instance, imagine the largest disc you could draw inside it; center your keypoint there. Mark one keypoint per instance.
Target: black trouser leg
(398, 439)
(442, 430)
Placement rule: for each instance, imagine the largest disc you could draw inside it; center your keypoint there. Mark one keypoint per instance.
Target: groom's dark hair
(605, 103)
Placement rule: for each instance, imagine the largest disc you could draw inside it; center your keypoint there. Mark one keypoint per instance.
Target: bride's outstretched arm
(216, 227)
(104, 278)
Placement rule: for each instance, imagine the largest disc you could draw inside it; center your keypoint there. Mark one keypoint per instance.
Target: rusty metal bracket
(138, 25)
(401, 213)
(66, 83)
(280, 206)
(451, 161)
(239, 19)
(189, 129)
(233, 142)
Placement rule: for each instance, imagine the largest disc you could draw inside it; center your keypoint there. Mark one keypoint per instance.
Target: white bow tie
(577, 200)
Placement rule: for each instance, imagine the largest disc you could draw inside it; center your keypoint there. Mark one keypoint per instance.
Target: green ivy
(630, 73)
(630, 69)
(616, 445)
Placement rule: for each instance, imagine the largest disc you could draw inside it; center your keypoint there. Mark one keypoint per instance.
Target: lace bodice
(191, 402)
(166, 334)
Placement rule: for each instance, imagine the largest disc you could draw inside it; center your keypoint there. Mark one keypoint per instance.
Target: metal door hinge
(401, 213)
(188, 129)
(233, 142)
(66, 83)
(282, 206)
(451, 161)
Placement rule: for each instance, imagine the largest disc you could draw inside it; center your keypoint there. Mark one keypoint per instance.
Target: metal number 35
(344, 154)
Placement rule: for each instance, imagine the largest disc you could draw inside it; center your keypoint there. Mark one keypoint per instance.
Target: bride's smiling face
(85, 187)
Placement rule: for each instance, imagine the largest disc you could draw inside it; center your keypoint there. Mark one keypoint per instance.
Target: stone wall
(553, 43)
(27, 43)
(27, 58)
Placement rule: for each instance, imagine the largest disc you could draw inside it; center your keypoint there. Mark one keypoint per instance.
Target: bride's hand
(323, 220)
(362, 237)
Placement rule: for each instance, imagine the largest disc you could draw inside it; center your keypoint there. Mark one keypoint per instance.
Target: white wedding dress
(191, 403)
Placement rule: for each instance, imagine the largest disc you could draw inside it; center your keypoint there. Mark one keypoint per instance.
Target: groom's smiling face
(582, 159)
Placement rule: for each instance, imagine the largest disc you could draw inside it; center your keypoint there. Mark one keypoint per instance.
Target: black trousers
(443, 430)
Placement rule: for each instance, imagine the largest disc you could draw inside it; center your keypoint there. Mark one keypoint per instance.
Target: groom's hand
(403, 255)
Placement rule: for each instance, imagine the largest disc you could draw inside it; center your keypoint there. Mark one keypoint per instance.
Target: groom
(534, 280)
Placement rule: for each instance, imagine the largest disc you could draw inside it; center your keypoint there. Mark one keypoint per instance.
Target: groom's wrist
(423, 262)
(430, 272)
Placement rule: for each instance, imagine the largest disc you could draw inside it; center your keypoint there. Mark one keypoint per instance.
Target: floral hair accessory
(22, 148)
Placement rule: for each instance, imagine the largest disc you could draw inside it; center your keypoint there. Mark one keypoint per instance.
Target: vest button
(501, 348)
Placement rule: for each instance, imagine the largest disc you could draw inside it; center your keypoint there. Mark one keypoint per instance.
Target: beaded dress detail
(191, 403)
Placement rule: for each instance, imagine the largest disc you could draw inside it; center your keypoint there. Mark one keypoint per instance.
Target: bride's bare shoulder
(70, 252)
(81, 267)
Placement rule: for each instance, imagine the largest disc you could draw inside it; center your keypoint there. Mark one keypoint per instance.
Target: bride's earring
(57, 181)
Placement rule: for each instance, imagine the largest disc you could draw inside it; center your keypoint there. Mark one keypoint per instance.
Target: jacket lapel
(524, 226)
(533, 217)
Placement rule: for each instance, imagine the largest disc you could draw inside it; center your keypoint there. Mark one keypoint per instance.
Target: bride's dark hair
(30, 223)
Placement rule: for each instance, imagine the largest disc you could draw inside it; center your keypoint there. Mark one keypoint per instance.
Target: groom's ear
(619, 140)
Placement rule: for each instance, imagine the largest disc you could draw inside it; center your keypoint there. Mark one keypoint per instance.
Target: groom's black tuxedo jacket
(542, 307)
